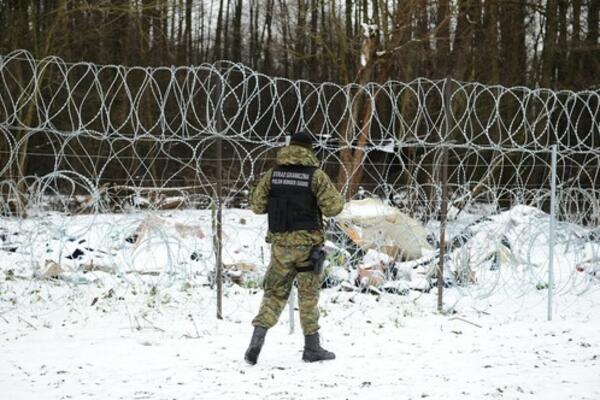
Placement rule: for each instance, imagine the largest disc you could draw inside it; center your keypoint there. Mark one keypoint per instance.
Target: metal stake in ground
(219, 241)
(552, 229)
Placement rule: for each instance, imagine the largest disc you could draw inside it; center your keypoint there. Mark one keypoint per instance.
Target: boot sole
(251, 360)
(311, 359)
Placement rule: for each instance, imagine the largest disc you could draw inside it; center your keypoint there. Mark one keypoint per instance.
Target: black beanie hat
(303, 139)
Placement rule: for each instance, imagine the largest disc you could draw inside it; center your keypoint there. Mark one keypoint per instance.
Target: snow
(363, 60)
(366, 208)
(369, 30)
(376, 257)
(145, 327)
(162, 243)
(127, 349)
(387, 146)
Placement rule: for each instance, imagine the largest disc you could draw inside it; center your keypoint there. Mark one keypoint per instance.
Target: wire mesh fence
(122, 173)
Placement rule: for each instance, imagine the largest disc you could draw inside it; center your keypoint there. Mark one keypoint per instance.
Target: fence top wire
(138, 103)
(81, 123)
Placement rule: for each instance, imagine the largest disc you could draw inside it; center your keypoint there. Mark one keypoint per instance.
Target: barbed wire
(127, 156)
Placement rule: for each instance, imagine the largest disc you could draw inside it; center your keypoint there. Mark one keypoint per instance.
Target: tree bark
(300, 40)
(443, 38)
(575, 46)
(592, 47)
(217, 51)
(359, 115)
(562, 53)
(268, 62)
(188, 32)
(236, 51)
(549, 52)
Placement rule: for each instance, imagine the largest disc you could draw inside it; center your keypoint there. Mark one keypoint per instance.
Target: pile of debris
(381, 239)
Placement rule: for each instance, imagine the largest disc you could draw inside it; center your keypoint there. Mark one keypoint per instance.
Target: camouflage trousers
(278, 283)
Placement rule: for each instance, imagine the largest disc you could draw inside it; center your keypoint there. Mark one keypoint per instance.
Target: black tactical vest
(292, 206)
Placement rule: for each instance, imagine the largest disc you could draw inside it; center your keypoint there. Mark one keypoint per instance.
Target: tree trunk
(268, 62)
(165, 52)
(342, 46)
(423, 61)
(236, 53)
(575, 58)
(443, 38)
(314, 51)
(217, 51)
(180, 46)
(226, 39)
(461, 49)
(513, 49)
(201, 54)
(300, 39)
(348, 56)
(188, 32)
(592, 47)
(562, 54)
(359, 114)
(549, 52)
(285, 33)
(489, 60)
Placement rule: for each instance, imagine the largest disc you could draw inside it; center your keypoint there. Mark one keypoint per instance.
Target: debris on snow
(238, 272)
(154, 223)
(372, 275)
(371, 224)
(51, 270)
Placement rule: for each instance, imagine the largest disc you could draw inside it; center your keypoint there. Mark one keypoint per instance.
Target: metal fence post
(552, 231)
(443, 220)
(219, 233)
(291, 306)
(292, 298)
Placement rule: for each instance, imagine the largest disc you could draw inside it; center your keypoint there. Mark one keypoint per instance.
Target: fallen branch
(195, 326)
(27, 322)
(154, 326)
(481, 311)
(149, 273)
(7, 311)
(467, 321)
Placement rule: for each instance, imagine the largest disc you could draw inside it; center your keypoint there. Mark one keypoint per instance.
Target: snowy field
(123, 347)
(115, 323)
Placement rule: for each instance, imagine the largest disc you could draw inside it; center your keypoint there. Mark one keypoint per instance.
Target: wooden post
(444, 202)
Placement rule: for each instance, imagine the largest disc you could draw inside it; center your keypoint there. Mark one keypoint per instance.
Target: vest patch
(288, 178)
(292, 206)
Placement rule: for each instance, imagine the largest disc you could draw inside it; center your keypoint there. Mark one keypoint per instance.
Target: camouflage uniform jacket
(330, 201)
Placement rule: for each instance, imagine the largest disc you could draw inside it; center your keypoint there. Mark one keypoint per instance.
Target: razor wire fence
(126, 171)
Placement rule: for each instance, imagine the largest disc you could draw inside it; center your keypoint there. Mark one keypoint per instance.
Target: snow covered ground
(131, 315)
(169, 345)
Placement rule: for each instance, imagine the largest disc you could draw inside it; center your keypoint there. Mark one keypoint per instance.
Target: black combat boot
(256, 343)
(313, 350)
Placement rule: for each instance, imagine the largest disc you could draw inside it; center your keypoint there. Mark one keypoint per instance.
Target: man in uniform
(295, 195)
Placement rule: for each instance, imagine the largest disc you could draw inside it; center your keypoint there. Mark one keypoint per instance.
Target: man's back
(329, 200)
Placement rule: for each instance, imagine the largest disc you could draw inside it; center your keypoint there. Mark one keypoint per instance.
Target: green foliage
(541, 285)
(9, 275)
